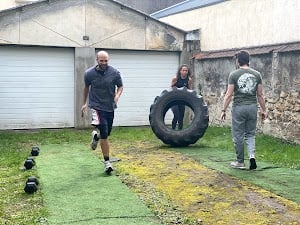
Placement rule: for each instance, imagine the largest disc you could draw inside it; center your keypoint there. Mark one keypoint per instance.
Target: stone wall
(280, 69)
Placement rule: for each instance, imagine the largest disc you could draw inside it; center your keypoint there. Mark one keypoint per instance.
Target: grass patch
(17, 207)
(278, 152)
(269, 149)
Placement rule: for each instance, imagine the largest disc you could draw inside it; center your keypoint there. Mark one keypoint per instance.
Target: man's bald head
(102, 59)
(103, 54)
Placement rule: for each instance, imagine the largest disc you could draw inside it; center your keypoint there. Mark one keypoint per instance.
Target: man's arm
(118, 94)
(261, 101)
(227, 100)
(85, 94)
(84, 103)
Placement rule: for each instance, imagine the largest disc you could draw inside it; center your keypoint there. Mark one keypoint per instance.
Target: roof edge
(162, 11)
(255, 50)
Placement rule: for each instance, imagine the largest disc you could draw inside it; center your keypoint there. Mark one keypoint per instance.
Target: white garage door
(36, 87)
(145, 76)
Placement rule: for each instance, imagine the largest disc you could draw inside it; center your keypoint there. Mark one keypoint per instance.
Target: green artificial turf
(281, 181)
(77, 191)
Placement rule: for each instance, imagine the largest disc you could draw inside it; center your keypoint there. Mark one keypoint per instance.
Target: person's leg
(250, 129)
(95, 122)
(181, 109)
(105, 130)
(238, 132)
(175, 118)
(104, 144)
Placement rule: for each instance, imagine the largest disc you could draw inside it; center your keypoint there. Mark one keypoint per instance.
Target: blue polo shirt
(102, 87)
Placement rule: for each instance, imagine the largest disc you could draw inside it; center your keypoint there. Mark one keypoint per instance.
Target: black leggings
(178, 111)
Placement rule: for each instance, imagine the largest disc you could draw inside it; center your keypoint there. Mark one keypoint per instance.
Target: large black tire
(186, 136)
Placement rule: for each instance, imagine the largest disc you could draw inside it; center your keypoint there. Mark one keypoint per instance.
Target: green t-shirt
(245, 83)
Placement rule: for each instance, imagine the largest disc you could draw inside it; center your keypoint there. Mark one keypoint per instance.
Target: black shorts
(103, 121)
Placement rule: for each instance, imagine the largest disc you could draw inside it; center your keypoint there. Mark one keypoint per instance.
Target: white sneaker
(94, 143)
(108, 167)
(237, 165)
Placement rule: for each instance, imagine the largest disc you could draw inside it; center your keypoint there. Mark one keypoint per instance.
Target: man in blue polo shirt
(104, 86)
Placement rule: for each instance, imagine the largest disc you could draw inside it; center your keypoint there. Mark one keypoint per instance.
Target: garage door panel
(42, 98)
(28, 71)
(21, 124)
(44, 91)
(145, 75)
(49, 75)
(33, 86)
(43, 78)
(133, 101)
(36, 87)
(132, 98)
(42, 105)
(42, 115)
(33, 109)
(134, 82)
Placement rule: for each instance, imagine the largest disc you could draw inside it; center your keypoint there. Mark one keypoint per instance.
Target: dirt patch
(182, 191)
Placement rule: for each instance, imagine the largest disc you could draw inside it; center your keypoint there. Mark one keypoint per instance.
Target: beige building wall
(242, 23)
(80, 23)
(7, 4)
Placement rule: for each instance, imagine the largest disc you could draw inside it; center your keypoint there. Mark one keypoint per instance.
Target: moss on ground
(196, 194)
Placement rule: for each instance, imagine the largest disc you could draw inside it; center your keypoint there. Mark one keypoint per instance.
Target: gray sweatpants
(244, 119)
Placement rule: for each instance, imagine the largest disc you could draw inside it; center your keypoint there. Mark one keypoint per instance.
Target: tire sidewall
(164, 102)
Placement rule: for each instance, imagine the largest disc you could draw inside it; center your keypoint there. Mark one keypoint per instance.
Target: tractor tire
(186, 136)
